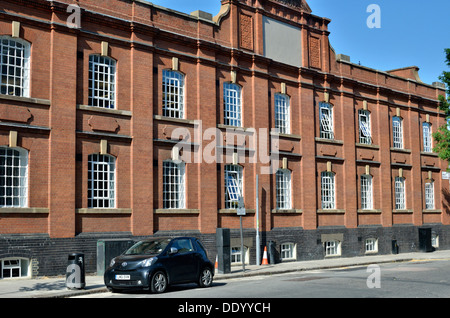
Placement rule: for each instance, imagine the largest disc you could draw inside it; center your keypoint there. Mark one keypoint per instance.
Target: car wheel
(206, 278)
(159, 282)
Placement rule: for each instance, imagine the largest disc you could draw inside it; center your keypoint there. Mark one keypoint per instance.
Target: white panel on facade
(282, 42)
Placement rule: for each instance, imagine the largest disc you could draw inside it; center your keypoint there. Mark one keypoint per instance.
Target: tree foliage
(442, 136)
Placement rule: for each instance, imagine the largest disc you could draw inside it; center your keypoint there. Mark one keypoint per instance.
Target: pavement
(55, 287)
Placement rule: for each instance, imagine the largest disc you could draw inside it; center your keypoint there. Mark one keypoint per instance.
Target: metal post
(242, 247)
(258, 245)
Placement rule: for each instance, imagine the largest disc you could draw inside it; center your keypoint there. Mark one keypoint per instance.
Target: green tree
(442, 136)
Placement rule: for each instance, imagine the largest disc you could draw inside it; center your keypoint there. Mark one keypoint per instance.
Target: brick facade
(60, 130)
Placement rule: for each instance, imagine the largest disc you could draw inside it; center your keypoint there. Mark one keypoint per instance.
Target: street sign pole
(241, 212)
(258, 245)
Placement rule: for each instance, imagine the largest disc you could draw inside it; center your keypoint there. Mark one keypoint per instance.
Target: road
(420, 279)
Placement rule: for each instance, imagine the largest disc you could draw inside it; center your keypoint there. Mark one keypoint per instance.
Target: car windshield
(148, 247)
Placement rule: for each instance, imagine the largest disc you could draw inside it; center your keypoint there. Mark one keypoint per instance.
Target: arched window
(233, 186)
(326, 121)
(282, 113)
(365, 133)
(328, 190)
(173, 94)
(14, 67)
(173, 185)
(101, 181)
(400, 195)
(429, 195)
(232, 105)
(13, 177)
(397, 132)
(366, 192)
(283, 189)
(427, 137)
(102, 81)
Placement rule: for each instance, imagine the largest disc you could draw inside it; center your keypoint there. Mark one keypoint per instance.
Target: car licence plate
(123, 277)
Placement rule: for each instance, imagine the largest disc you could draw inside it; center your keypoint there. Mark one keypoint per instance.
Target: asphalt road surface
(421, 279)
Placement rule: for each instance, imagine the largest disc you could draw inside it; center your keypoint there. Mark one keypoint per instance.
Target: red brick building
(91, 95)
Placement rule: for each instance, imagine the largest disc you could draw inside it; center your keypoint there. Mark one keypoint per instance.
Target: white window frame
(400, 193)
(288, 251)
(427, 137)
(326, 120)
(429, 196)
(397, 132)
(101, 191)
(366, 192)
(14, 66)
(23, 266)
(102, 81)
(232, 115)
(174, 188)
(13, 177)
(282, 113)
(283, 189)
(332, 248)
(236, 255)
(371, 245)
(173, 87)
(365, 129)
(328, 190)
(235, 172)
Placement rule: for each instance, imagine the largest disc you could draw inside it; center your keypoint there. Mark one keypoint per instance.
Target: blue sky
(413, 32)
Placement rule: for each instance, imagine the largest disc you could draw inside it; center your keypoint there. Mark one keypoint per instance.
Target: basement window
(14, 268)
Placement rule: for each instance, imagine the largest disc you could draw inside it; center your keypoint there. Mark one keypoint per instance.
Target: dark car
(154, 264)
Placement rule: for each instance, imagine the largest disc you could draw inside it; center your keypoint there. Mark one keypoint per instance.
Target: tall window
(14, 67)
(102, 81)
(427, 139)
(282, 116)
(283, 189)
(173, 94)
(13, 177)
(397, 129)
(233, 180)
(328, 190)
(232, 105)
(326, 121)
(400, 200)
(366, 192)
(101, 181)
(429, 195)
(365, 134)
(173, 185)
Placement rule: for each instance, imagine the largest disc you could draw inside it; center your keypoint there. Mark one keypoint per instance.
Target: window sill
(103, 211)
(174, 120)
(236, 128)
(432, 211)
(177, 211)
(431, 154)
(405, 211)
(331, 211)
(401, 150)
(288, 136)
(367, 146)
(329, 141)
(369, 211)
(234, 211)
(105, 110)
(24, 211)
(30, 100)
(287, 211)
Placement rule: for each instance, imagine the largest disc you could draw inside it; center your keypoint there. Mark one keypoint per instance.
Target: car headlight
(113, 261)
(149, 262)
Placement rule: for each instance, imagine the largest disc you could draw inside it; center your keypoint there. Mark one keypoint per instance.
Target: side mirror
(173, 250)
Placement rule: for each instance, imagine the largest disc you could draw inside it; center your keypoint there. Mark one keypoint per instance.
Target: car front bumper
(127, 279)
